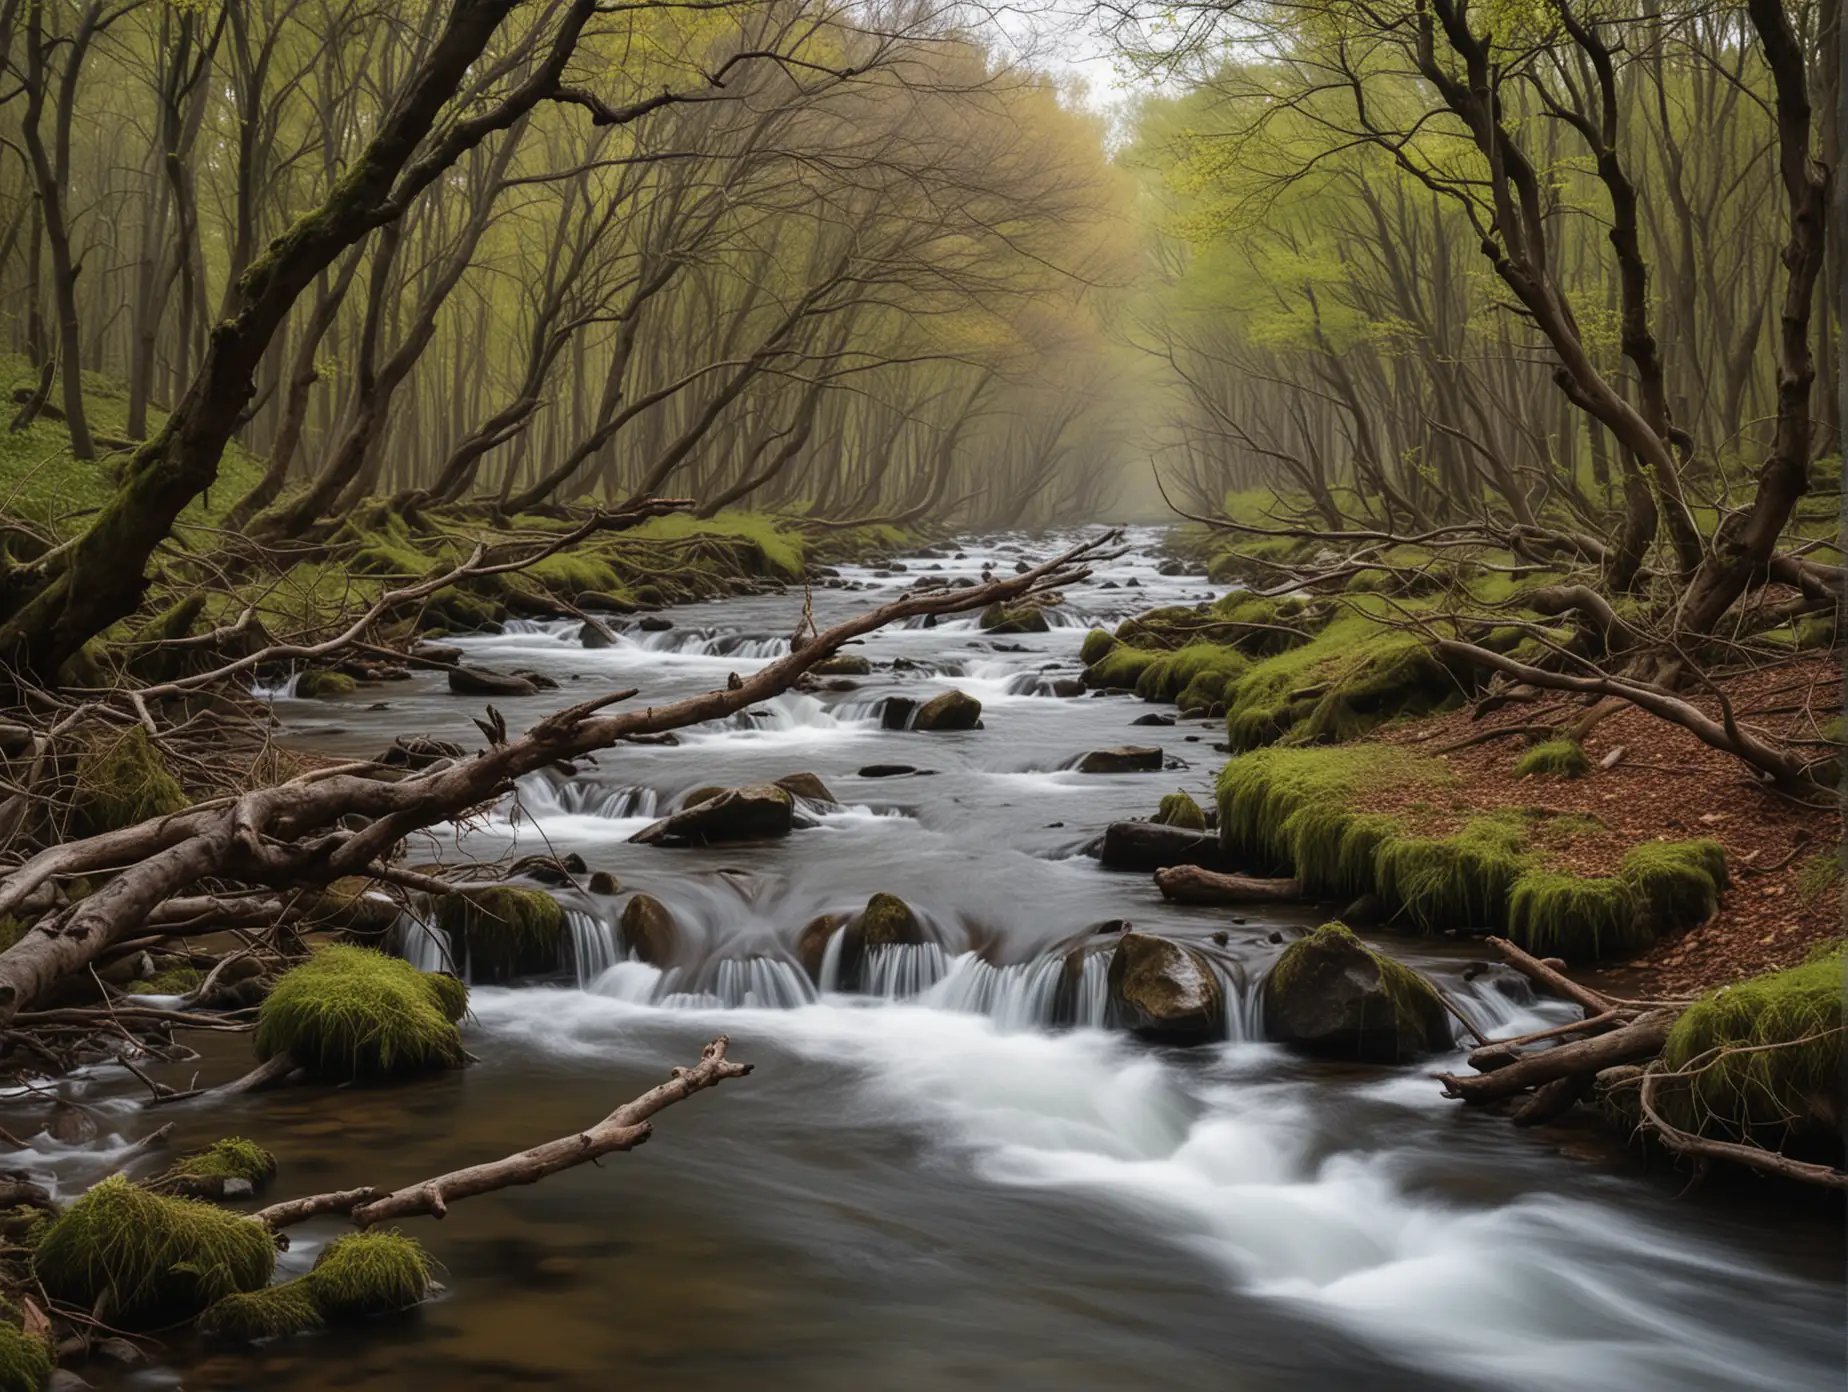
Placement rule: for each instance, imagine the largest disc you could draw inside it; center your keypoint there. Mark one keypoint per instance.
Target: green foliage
(1121, 667)
(351, 1012)
(164, 1258)
(502, 931)
(271, 1313)
(1180, 810)
(26, 1359)
(1564, 757)
(1789, 1082)
(782, 549)
(121, 779)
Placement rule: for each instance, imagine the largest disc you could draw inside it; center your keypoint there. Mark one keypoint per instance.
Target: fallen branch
(1753, 1157)
(623, 1129)
(1640, 1039)
(1189, 884)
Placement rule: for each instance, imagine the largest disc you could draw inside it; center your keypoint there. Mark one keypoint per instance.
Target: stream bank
(928, 1184)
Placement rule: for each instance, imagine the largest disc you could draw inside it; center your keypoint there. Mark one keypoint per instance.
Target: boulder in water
(1153, 718)
(806, 785)
(843, 665)
(479, 681)
(319, 684)
(549, 870)
(502, 931)
(419, 752)
(1150, 846)
(1178, 809)
(1022, 618)
(594, 633)
(1162, 990)
(603, 882)
(437, 652)
(812, 941)
(887, 771)
(1128, 758)
(895, 712)
(1331, 994)
(756, 812)
(953, 710)
(886, 921)
(650, 931)
(654, 623)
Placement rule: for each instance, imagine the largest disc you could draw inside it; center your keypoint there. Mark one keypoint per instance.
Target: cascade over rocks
(886, 921)
(1162, 990)
(807, 785)
(953, 710)
(751, 813)
(1332, 995)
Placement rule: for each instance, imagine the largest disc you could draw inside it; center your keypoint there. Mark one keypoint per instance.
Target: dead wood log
(1189, 884)
(291, 834)
(623, 1129)
(1640, 1039)
(1557, 982)
(1753, 1157)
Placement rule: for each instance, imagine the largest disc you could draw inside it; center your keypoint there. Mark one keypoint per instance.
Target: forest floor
(1784, 899)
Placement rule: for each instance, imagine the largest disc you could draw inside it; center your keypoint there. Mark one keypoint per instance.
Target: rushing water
(923, 1185)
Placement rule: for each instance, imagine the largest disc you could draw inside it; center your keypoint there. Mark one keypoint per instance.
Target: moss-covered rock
(354, 904)
(26, 1360)
(1564, 758)
(759, 811)
(1678, 882)
(365, 1274)
(1769, 1057)
(1577, 917)
(953, 710)
(1163, 990)
(203, 1174)
(1331, 994)
(1096, 644)
(843, 665)
(1018, 618)
(1457, 881)
(1197, 677)
(159, 1258)
(319, 684)
(503, 931)
(1180, 810)
(122, 779)
(351, 1012)
(1120, 668)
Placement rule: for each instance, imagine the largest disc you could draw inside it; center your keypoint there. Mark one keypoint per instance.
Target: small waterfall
(1497, 1003)
(637, 983)
(424, 945)
(1022, 996)
(594, 948)
(542, 628)
(283, 690)
(831, 961)
(761, 983)
(902, 971)
(548, 795)
(1244, 1007)
(1091, 1007)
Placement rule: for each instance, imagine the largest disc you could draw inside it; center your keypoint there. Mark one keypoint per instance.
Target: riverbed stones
(1128, 758)
(807, 785)
(812, 941)
(895, 712)
(1332, 995)
(953, 710)
(843, 665)
(654, 623)
(758, 812)
(1021, 618)
(318, 684)
(1164, 991)
(481, 681)
(888, 771)
(650, 930)
(593, 633)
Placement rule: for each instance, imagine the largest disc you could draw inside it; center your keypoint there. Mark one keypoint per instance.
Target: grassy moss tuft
(163, 1258)
(1579, 918)
(503, 931)
(1819, 876)
(206, 1170)
(1771, 1094)
(351, 1012)
(270, 1313)
(25, 1359)
(1195, 677)
(121, 779)
(1096, 643)
(1559, 756)
(1179, 810)
(370, 1273)
(1678, 882)
(1122, 666)
(1452, 881)
(175, 981)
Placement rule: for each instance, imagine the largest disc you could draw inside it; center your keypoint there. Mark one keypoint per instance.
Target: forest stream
(927, 1184)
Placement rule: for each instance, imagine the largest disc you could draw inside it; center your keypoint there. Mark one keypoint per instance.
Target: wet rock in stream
(1162, 990)
(760, 811)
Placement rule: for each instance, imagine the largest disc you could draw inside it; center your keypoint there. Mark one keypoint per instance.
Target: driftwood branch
(623, 1129)
(1189, 884)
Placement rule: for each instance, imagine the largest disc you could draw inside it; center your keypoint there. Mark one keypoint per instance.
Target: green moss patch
(351, 1012)
(317, 684)
(502, 931)
(1120, 667)
(1454, 881)
(1769, 1057)
(202, 1174)
(1196, 677)
(121, 780)
(365, 1274)
(1096, 643)
(175, 981)
(1179, 810)
(25, 1359)
(1563, 757)
(159, 1258)
(1677, 882)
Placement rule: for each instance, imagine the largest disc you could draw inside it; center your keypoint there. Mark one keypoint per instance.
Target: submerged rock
(1162, 990)
(654, 623)
(737, 814)
(895, 713)
(1129, 758)
(650, 930)
(550, 870)
(1331, 994)
(887, 771)
(479, 681)
(807, 785)
(953, 710)
(1152, 846)
(592, 634)
(502, 931)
